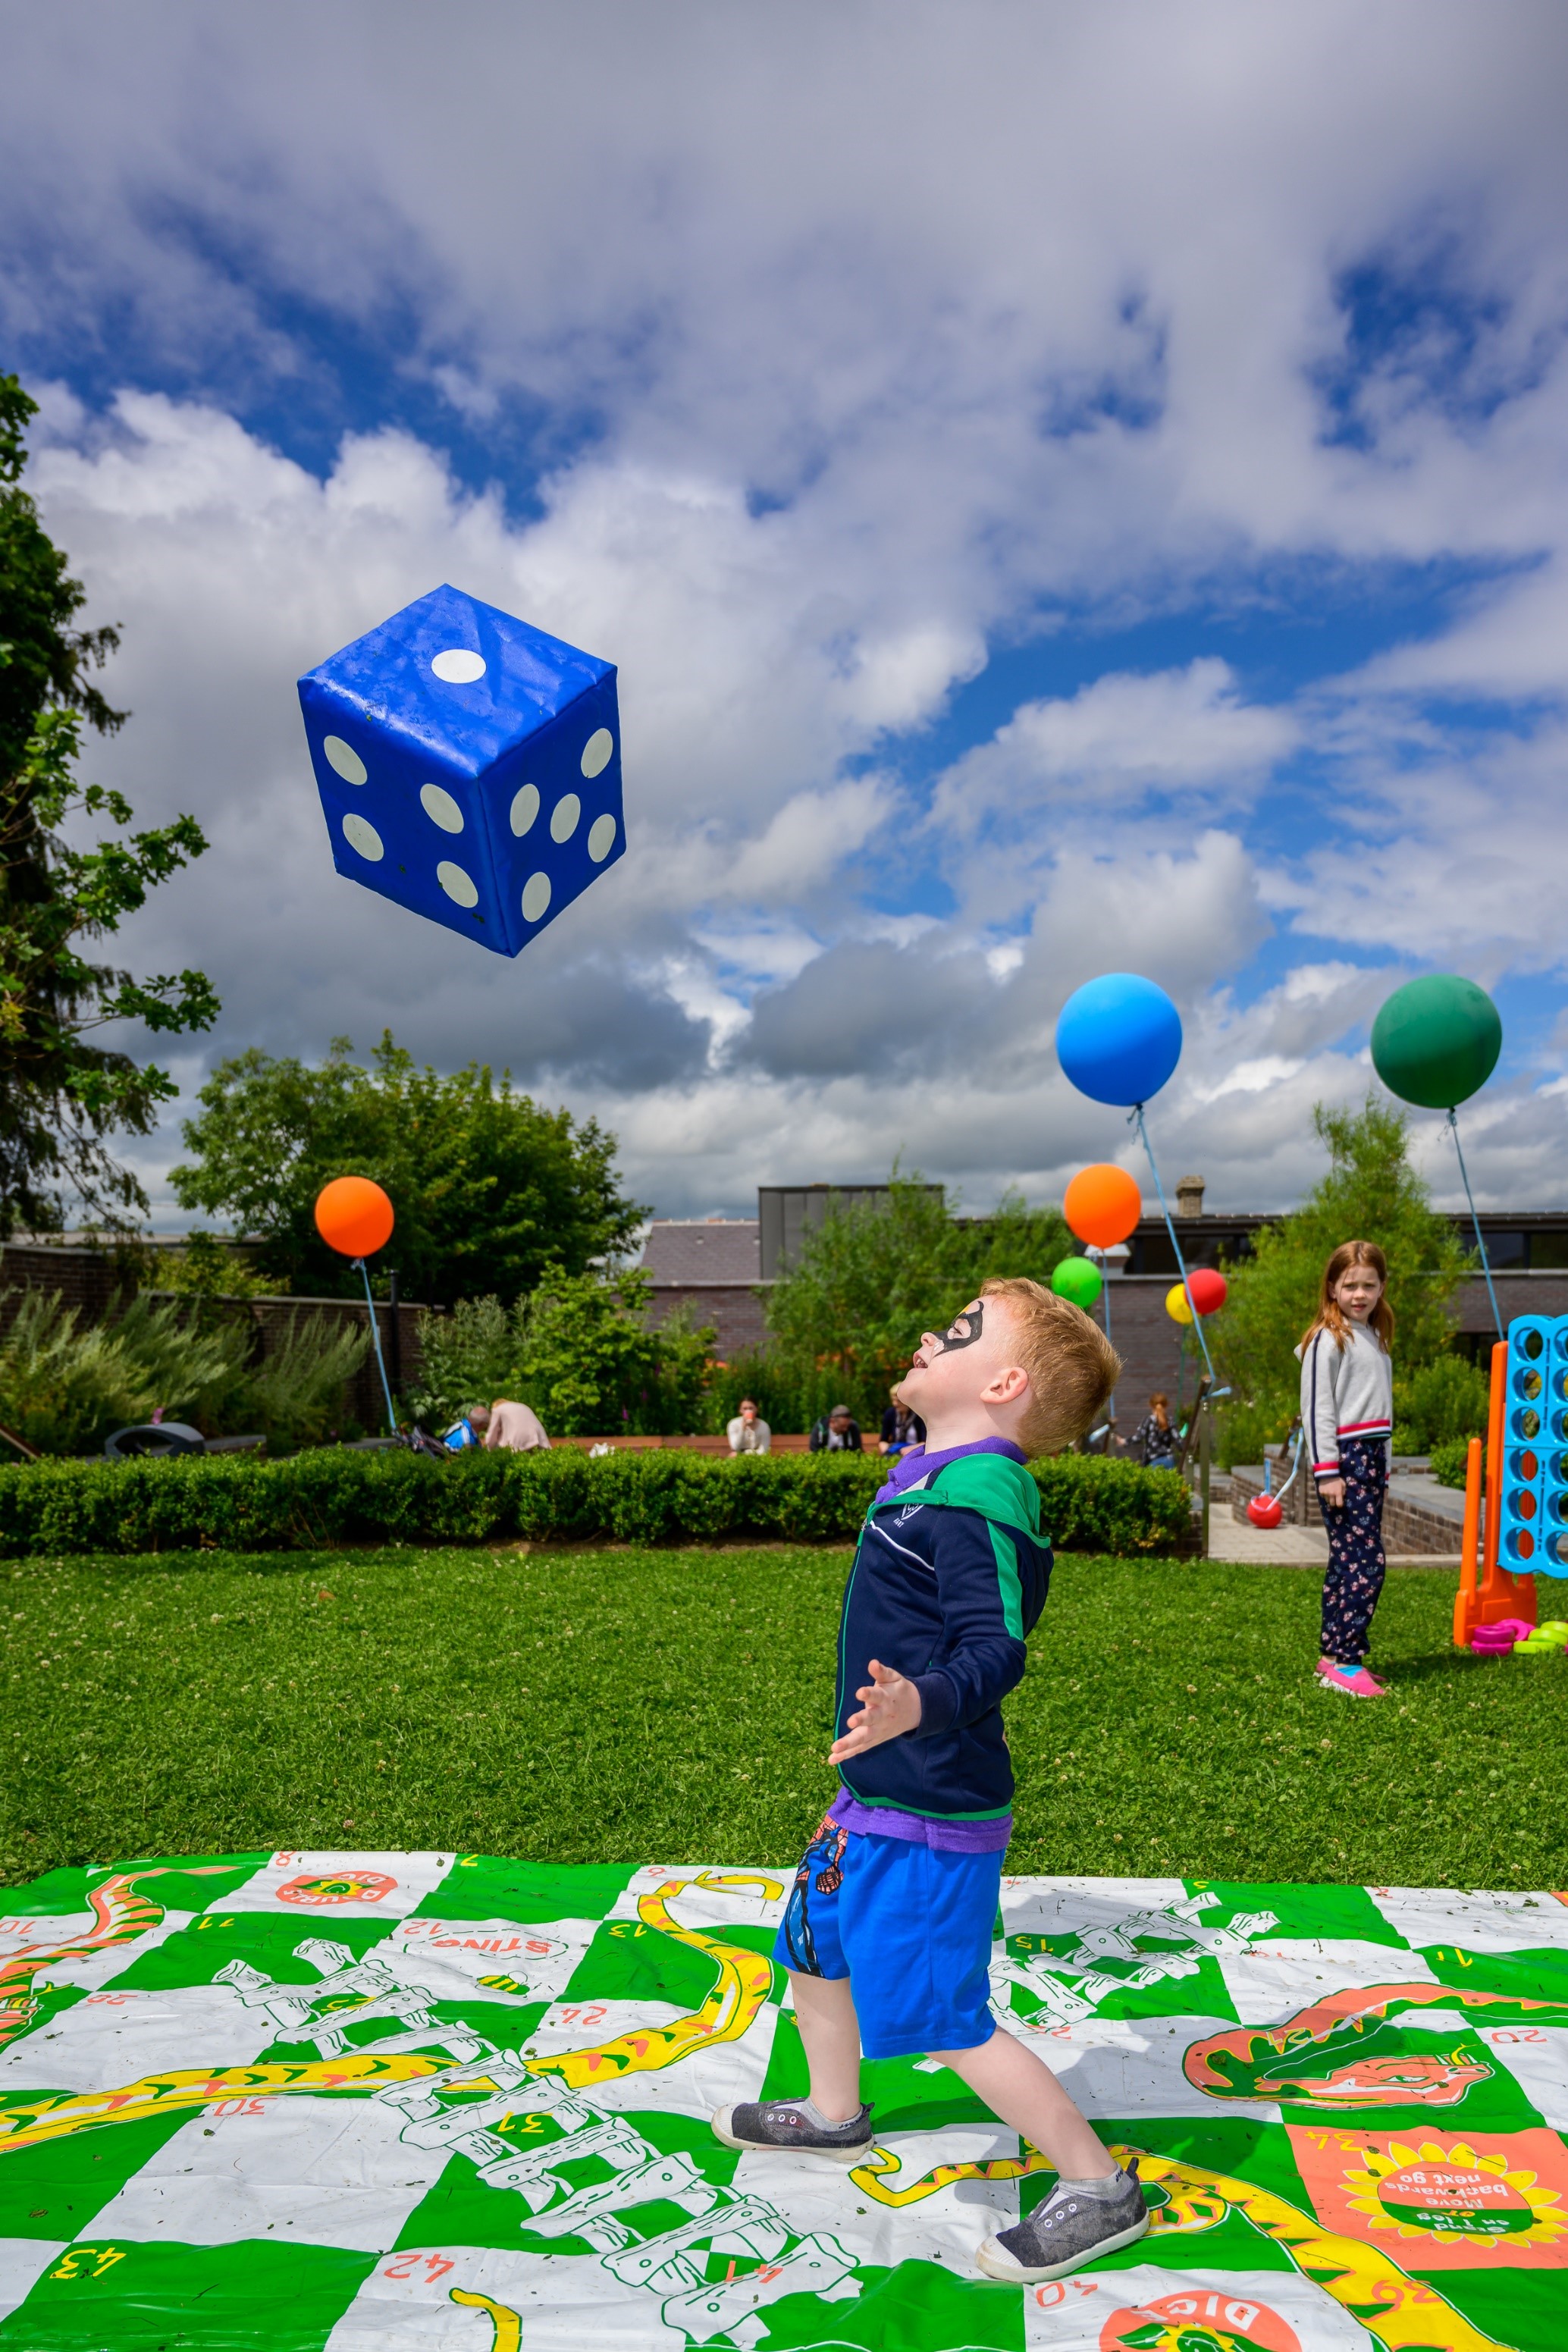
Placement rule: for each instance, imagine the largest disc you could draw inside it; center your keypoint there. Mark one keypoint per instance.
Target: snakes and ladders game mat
(385, 2102)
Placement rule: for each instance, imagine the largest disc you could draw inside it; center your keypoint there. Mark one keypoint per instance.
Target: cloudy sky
(1067, 488)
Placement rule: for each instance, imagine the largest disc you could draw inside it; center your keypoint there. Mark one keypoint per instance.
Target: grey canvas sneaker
(1072, 2227)
(795, 2124)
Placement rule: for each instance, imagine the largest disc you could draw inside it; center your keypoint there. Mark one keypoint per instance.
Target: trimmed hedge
(333, 1496)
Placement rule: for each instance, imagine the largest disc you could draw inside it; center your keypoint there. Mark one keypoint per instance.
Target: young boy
(887, 1935)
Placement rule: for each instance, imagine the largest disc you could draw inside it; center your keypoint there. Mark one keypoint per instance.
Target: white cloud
(1115, 741)
(852, 342)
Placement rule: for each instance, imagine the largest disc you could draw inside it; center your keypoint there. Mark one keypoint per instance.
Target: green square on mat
(459, 2209)
(915, 2308)
(195, 1882)
(194, 1955)
(127, 2296)
(1203, 1993)
(54, 1896)
(1534, 1975)
(629, 1961)
(1301, 1913)
(1522, 2307)
(480, 1887)
(56, 2187)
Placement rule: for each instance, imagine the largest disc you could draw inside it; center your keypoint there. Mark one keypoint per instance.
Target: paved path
(1290, 1547)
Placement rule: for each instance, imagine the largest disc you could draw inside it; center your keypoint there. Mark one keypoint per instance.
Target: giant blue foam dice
(470, 767)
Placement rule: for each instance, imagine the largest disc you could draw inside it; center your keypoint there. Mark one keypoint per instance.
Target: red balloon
(1208, 1287)
(1102, 1204)
(1265, 1511)
(354, 1215)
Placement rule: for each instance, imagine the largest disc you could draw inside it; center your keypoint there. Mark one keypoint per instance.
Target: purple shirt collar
(917, 1464)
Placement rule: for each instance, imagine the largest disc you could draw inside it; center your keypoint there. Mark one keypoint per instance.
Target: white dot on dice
(457, 884)
(601, 838)
(440, 808)
(362, 837)
(535, 896)
(345, 760)
(457, 667)
(524, 809)
(596, 750)
(564, 817)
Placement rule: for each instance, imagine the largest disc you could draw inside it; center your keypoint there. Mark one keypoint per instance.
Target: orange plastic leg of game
(1501, 1593)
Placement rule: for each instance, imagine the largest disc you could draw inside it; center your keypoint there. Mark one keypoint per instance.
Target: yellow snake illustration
(508, 2324)
(743, 1985)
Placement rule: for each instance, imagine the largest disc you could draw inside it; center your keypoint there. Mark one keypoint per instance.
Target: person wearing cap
(837, 1431)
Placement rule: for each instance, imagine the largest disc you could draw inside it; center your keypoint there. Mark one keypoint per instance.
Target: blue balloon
(1119, 1038)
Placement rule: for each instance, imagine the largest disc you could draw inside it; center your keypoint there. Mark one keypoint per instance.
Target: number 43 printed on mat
(88, 2262)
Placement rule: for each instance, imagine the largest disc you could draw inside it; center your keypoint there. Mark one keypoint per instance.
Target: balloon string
(1137, 1119)
(1480, 1237)
(376, 1343)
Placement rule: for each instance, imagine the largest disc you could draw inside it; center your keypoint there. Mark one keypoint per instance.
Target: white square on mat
(322, 1887)
(947, 2226)
(746, 1902)
(1132, 2066)
(1271, 1982)
(1275, 2308)
(111, 2039)
(450, 1956)
(713, 2075)
(564, 2302)
(23, 2262)
(292, 2170)
(1537, 2058)
(1067, 1906)
(1475, 1922)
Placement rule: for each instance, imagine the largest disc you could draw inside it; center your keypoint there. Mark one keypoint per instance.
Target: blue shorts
(909, 1927)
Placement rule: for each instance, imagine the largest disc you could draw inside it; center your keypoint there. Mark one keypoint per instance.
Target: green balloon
(1435, 1041)
(1080, 1279)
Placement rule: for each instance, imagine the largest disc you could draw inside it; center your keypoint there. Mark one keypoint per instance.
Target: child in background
(1154, 1441)
(1347, 1412)
(888, 1931)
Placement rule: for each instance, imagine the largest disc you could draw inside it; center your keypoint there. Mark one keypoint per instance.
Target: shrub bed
(332, 1497)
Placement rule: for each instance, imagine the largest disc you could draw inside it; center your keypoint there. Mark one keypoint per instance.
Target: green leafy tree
(580, 1351)
(489, 1188)
(1371, 1192)
(845, 1317)
(62, 1097)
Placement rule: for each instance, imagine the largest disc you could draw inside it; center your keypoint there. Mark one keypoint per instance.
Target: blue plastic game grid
(1534, 1528)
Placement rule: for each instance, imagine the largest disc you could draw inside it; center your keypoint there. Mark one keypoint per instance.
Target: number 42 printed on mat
(416, 2265)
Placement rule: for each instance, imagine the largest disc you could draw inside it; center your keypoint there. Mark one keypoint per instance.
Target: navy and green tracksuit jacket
(949, 1577)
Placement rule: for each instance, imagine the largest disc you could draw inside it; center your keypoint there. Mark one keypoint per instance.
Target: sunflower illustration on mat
(1429, 2189)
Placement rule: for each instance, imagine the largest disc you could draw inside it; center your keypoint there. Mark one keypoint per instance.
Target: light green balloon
(1080, 1279)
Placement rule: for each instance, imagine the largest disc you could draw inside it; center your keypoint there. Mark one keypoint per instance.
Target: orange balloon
(1102, 1205)
(354, 1215)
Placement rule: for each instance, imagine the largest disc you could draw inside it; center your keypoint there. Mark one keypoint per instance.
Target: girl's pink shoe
(1354, 1681)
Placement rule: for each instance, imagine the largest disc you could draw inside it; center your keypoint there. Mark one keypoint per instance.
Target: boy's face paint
(963, 1330)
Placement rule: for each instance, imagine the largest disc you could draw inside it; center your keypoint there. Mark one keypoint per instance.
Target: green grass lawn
(673, 1707)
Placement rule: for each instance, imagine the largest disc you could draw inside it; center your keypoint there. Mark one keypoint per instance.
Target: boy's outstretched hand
(889, 1704)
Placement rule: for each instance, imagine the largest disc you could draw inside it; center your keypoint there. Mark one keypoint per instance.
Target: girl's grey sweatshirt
(1345, 1393)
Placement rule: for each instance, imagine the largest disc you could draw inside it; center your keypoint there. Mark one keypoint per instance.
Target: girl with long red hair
(1347, 1414)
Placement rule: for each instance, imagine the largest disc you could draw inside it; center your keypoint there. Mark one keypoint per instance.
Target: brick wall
(734, 1310)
